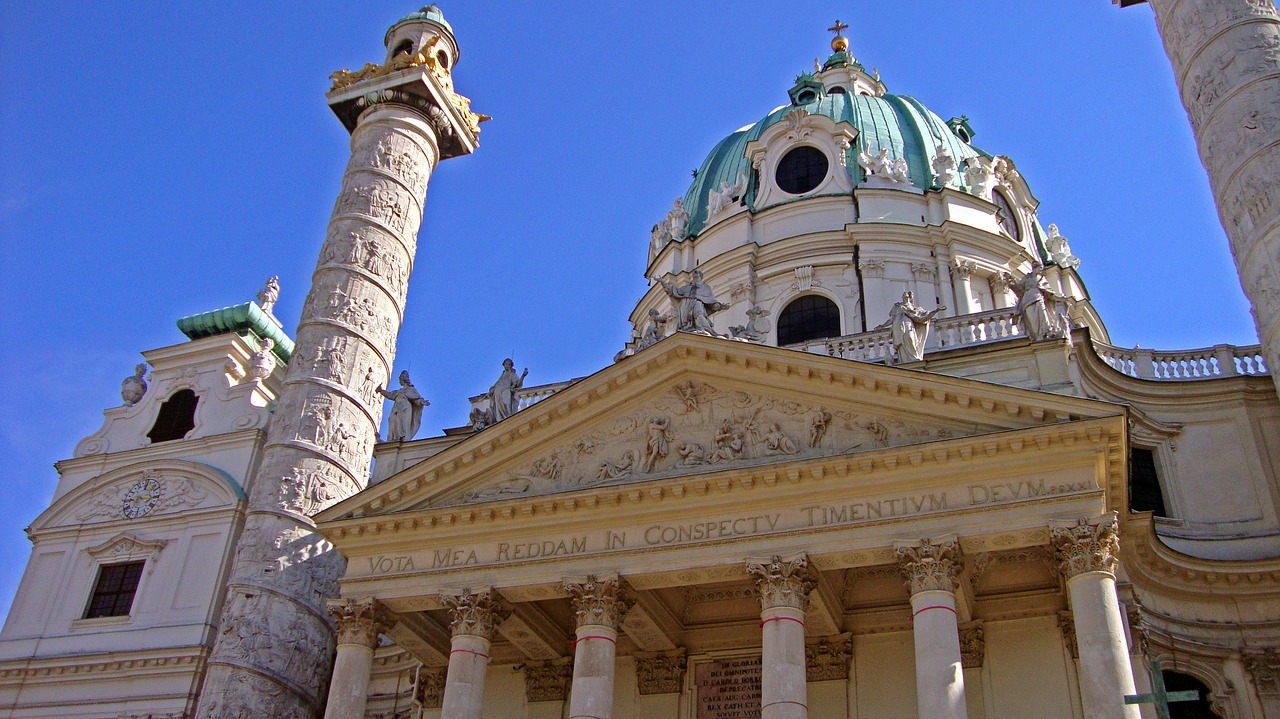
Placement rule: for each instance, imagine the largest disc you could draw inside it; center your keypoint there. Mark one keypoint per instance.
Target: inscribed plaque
(728, 688)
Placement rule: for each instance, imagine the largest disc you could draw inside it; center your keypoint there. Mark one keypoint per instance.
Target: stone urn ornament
(263, 362)
(134, 386)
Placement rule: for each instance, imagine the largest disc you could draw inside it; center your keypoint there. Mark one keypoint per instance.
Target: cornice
(127, 664)
(1156, 568)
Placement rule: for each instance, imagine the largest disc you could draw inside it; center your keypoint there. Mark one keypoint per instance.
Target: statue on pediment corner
(406, 409)
(503, 401)
(695, 302)
(909, 324)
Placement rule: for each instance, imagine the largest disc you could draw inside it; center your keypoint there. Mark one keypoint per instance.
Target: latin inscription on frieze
(728, 688)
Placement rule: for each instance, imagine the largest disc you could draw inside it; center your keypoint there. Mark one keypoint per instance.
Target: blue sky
(161, 159)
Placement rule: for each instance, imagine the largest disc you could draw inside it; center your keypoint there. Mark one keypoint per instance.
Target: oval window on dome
(1006, 216)
(810, 317)
(802, 170)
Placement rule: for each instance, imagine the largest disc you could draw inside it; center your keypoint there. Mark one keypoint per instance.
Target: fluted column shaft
(1087, 551)
(784, 583)
(359, 621)
(931, 570)
(474, 616)
(320, 440)
(599, 603)
(1226, 61)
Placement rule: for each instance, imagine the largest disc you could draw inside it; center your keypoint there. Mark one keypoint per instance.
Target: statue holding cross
(1158, 696)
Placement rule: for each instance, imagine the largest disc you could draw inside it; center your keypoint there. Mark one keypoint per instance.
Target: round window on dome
(806, 97)
(802, 170)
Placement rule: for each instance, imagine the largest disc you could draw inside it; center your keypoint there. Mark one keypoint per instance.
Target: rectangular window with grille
(114, 590)
(1145, 494)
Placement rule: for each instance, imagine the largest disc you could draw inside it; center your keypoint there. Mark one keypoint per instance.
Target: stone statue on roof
(909, 325)
(268, 295)
(1059, 249)
(695, 303)
(406, 410)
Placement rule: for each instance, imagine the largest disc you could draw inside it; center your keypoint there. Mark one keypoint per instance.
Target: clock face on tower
(142, 497)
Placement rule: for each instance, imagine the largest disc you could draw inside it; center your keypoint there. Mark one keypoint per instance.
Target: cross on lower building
(838, 28)
(1159, 697)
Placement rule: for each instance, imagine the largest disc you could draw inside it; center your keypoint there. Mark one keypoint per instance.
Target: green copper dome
(430, 14)
(898, 123)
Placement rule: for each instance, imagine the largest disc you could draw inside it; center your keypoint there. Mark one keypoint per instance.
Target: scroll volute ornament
(601, 600)
(1086, 545)
(930, 564)
(360, 621)
(783, 581)
(475, 612)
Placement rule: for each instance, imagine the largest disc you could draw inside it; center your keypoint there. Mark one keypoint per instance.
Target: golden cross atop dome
(839, 43)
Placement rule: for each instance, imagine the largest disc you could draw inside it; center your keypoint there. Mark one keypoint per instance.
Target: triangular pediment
(695, 405)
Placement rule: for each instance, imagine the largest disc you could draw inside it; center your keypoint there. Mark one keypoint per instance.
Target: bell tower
(404, 118)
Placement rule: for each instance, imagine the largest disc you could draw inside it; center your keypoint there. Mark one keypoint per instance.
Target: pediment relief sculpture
(133, 495)
(695, 426)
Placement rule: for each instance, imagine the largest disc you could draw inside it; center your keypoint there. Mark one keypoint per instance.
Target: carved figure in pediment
(510, 488)
(818, 424)
(730, 443)
(658, 444)
(776, 442)
(691, 454)
(617, 470)
(692, 395)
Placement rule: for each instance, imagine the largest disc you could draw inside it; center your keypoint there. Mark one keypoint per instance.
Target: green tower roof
(247, 317)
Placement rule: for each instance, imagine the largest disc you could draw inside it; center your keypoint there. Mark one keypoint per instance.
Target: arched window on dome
(1006, 216)
(810, 317)
(837, 90)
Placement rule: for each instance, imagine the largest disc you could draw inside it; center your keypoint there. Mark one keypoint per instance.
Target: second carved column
(931, 569)
(784, 583)
(474, 616)
(599, 603)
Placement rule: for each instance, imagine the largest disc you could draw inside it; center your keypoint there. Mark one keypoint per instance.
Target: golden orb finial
(839, 43)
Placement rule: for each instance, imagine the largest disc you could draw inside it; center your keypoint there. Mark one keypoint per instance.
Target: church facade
(869, 453)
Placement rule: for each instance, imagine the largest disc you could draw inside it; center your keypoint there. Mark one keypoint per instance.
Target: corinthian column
(474, 616)
(359, 621)
(320, 440)
(931, 569)
(599, 603)
(1087, 550)
(784, 583)
(1226, 60)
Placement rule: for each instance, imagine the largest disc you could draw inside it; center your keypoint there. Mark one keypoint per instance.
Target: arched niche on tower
(783, 142)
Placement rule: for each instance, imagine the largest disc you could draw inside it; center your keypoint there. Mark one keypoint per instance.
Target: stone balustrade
(525, 397)
(944, 334)
(1206, 363)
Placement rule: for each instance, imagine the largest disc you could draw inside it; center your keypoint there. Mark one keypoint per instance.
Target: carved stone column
(473, 615)
(1226, 61)
(962, 273)
(1087, 550)
(784, 583)
(320, 439)
(931, 569)
(600, 603)
(359, 621)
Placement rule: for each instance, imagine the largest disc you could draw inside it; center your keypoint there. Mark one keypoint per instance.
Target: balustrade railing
(1204, 363)
(944, 334)
(525, 396)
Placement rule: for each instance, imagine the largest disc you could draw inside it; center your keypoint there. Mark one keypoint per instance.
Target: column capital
(661, 672)
(429, 691)
(783, 580)
(601, 600)
(547, 681)
(828, 658)
(1088, 544)
(475, 612)
(360, 621)
(930, 564)
(973, 645)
